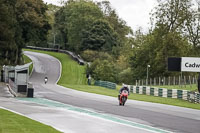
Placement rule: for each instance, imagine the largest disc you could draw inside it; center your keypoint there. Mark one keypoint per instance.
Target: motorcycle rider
(125, 87)
(45, 80)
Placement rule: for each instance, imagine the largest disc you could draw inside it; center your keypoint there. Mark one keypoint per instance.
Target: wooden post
(181, 79)
(190, 82)
(193, 80)
(174, 80)
(184, 81)
(159, 81)
(169, 80)
(146, 82)
(164, 81)
(150, 81)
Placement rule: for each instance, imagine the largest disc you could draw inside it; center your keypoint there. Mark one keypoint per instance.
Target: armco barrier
(152, 91)
(160, 92)
(193, 97)
(73, 55)
(137, 90)
(168, 93)
(131, 88)
(179, 94)
(143, 90)
(105, 84)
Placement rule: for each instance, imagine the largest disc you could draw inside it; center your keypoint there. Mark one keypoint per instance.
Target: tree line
(174, 33)
(22, 22)
(94, 30)
(98, 34)
(116, 53)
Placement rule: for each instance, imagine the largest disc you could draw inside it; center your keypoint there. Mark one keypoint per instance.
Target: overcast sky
(134, 12)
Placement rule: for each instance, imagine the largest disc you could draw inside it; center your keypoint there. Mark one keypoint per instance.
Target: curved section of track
(166, 117)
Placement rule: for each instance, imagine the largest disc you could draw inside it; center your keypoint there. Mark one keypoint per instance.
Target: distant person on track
(45, 80)
(89, 80)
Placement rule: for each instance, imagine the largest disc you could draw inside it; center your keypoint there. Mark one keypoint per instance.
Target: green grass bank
(72, 73)
(14, 123)
(70, 67)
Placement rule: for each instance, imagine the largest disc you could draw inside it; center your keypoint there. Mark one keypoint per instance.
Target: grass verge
(80, 84)
(14, 123)
(147, 98)
(28, 60)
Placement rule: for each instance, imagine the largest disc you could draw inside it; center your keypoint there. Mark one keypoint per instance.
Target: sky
(134, 12)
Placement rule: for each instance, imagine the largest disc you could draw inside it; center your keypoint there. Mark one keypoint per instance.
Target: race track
(157, 116)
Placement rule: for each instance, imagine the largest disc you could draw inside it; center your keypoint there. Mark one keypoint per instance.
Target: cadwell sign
(190, 64)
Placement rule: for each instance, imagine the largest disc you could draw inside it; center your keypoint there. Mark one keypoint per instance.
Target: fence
(168, 93)
(173, 80)
(73, 55)
(105, 84)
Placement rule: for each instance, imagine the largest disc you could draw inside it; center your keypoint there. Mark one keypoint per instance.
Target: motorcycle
(45, 80)
(123, 97)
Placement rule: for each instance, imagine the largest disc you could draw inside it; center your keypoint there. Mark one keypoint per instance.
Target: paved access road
(165, 117)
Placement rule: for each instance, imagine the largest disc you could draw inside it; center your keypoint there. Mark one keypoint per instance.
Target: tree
(60, 26)
(166, 39)
(154, 49)
(192, 30)
(172, 44)
(179, 16)
(76, 16)
(171, 15)
(53, 34)
(100, 36)
(8, 46)
(22, 22)
(118, 25)
(126, 76)
(91, 55)
(32, 20)
(104, 70)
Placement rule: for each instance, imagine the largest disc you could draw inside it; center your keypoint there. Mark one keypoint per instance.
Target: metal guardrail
(73, 55)
(105, 84)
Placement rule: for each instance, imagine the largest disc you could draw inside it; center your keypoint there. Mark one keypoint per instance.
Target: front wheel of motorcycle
(124, 100)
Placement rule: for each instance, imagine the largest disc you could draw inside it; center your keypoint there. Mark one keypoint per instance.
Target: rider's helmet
(125, 86)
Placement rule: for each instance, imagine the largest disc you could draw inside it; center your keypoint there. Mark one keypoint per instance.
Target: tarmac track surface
(166, 117)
